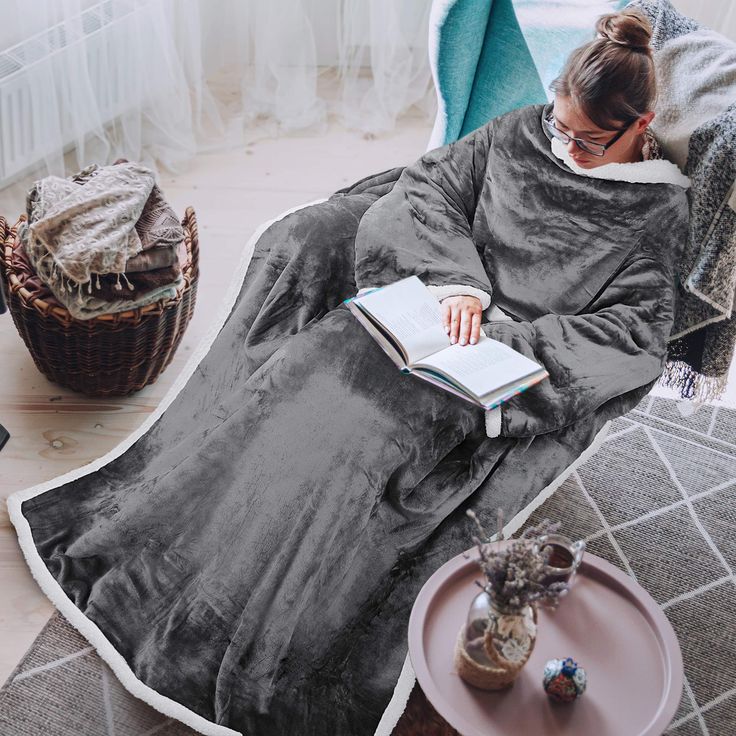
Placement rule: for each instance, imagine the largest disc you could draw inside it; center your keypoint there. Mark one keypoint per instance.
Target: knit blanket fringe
(691, 384)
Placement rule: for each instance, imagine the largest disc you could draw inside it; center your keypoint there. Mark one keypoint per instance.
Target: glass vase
(495, 643)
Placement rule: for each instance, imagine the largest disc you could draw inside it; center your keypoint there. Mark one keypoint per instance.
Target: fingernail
(462, 341)
(447, 329)
(472, 341)
(453, 339)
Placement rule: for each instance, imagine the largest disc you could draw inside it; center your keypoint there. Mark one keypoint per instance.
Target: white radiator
(36, 98)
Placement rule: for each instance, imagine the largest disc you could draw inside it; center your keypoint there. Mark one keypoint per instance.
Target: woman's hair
(611, 79)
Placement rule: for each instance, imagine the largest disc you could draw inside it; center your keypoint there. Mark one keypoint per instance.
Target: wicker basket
(109, 355)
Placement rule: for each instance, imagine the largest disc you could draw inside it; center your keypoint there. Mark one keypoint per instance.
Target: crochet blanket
(247, 561)
(695, 122)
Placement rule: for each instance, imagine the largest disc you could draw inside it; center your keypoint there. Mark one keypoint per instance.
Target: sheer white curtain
(280, 54)
(103, 79)
(159, 80)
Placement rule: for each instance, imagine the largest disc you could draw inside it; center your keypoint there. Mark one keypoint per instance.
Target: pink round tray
(607, 623)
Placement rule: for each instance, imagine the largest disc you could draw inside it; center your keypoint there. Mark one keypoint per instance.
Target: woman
(601, 118)
(249, 563)
(531, 241)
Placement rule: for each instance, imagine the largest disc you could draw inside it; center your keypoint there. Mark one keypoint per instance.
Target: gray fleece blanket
(248, 564)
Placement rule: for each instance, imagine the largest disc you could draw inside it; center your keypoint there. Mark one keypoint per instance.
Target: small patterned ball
(564, 681)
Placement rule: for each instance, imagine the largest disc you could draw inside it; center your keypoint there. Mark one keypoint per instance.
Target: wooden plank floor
(54, 431)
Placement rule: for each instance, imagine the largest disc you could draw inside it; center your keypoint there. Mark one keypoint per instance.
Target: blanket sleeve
(423, 226)
(609, 352)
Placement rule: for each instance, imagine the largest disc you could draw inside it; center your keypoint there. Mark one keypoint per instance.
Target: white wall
(717, 14)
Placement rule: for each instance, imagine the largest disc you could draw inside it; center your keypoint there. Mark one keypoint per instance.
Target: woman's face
(625, 150)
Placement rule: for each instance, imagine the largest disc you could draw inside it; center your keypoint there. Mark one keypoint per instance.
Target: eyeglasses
(597, 149)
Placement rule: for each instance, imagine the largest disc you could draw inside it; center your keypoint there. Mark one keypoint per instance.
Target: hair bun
(629, 27)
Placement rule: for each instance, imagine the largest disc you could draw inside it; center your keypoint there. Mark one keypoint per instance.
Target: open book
(405, 319)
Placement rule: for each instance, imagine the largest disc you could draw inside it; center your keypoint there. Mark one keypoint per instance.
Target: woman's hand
(461, 317)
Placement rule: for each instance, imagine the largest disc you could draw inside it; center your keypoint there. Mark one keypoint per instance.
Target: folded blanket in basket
(144, 282)
(247, 562)
(86, 234)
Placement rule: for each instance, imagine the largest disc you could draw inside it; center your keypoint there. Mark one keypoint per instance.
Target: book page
(409, 310)
(484, 367)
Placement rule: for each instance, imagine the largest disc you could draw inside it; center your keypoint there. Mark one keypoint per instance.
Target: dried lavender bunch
(515, 575)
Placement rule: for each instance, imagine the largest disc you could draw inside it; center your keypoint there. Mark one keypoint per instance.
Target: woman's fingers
(454, 323)
(475, 328)
(461, 318)
(446, 314)
(466, 319)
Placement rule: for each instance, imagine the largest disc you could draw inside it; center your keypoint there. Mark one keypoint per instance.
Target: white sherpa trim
(397, 704)
(437, 16)
(441, 292)
(446, 290)
(651, 171)
(493, 422)
(48, 584)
